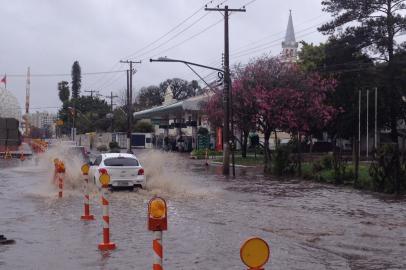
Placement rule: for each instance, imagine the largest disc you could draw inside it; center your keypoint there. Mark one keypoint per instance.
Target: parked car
(124, 169)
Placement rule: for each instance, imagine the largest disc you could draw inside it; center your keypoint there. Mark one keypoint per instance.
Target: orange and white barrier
(86, 215)
(157, 222)
(60, 168)
(60, 185)
(158, 251)
(22, 157)
(106, 244)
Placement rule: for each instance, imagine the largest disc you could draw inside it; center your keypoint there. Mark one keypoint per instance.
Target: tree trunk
(244, 144)
(311, 144)
(276, 139)
(267, 154)
(299, 153)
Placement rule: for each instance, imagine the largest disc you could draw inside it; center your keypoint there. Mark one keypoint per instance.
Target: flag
(4, 80)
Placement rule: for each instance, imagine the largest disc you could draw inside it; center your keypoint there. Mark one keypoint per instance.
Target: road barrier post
(106, 244)
(22, 157)
(157, 222)
(55, 179)
(86, 215)
(7, 154)
(61, 174)
(255, 253)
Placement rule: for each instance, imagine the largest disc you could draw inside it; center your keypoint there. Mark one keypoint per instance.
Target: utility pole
(91, 92)
(111, 97)
(359, 124)
(376, 119)
(129, 99)
(226, 91)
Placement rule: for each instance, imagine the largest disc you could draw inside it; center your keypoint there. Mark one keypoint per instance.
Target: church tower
(289, 45)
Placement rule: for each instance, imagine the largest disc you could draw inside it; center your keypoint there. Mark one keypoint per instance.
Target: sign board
(203, 141)
(59, 122)
(255, 253)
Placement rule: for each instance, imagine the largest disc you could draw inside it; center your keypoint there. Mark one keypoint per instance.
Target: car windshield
(121, 161)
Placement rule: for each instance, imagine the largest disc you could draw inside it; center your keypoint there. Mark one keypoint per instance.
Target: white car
(124, 169)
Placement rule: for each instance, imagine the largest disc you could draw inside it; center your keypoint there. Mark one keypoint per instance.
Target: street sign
(203, 141)
(59, 122)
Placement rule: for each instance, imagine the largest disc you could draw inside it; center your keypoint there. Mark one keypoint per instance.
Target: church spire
(290, 31)
(289, 45)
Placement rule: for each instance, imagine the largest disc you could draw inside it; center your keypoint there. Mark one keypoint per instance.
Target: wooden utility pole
(129, 100)
(226, 91)
(91, 92)
(111, 97)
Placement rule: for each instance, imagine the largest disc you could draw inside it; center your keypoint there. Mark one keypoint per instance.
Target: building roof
(190, 104)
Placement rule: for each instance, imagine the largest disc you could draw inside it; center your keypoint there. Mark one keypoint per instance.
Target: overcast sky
(49, 35)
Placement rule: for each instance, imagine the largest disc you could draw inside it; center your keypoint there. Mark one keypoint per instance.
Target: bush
(327, 162)
(102, 148)
(201, 153)
(143, 127)
(386, 170)
(281, 161)
(203, 131)
(113, 145)
(317, 166)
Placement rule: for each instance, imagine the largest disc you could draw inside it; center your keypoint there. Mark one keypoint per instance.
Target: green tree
(336, 58)
(76, 80)
(312, 57)
(90, 114)
(149, 97)
(378, 22)
(181, 89)
(63, 91)
(144, 127)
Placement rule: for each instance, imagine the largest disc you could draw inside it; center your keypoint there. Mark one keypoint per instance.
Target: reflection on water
(308, 225)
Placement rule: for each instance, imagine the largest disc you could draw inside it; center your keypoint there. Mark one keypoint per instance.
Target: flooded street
(307, 225)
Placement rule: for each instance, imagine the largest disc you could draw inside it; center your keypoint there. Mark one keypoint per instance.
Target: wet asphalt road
(307, 225)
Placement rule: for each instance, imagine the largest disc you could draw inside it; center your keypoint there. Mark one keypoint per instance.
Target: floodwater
(307, 225)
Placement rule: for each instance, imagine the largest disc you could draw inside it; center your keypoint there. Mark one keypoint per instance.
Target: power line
(64, 74)
(173, 37)
(186, 40)
(170, 31)
(153, 42)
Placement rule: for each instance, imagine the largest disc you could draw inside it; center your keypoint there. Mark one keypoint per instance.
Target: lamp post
(226, 108)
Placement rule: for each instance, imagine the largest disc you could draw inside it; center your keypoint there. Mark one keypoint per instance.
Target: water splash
(167, 174)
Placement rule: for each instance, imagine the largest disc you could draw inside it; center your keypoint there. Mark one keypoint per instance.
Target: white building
(42, 119)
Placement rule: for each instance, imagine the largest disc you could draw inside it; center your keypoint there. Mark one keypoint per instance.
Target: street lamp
(226, 108)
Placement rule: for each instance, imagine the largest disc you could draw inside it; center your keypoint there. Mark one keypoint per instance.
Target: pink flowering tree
(272, 96)
(245, 108)
(214, 109)
(287, 99)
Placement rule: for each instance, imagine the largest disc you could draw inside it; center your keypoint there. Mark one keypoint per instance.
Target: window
(121, 161)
